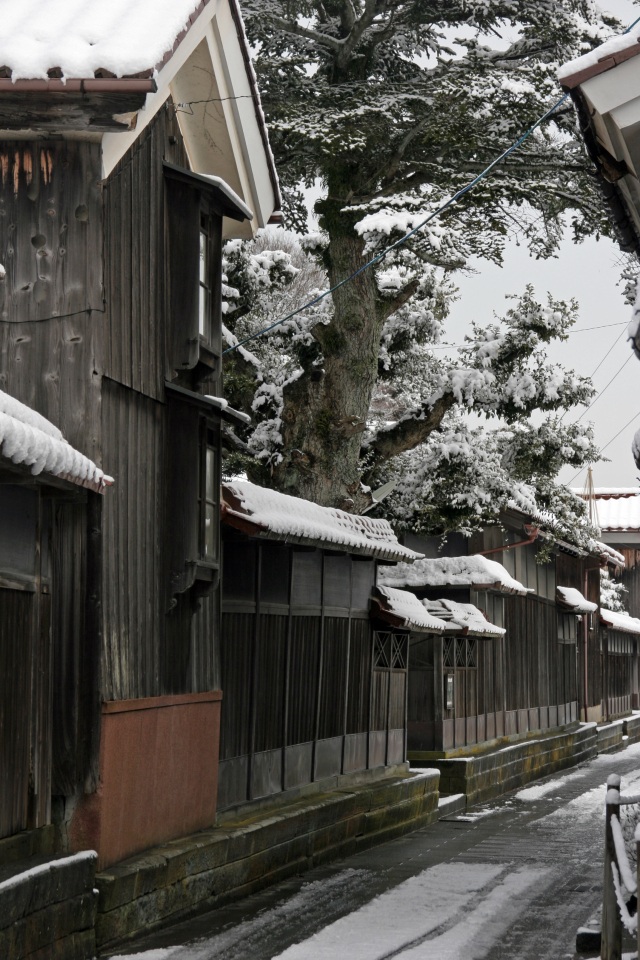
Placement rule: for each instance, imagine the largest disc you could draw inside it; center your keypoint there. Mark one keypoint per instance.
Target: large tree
(391, 106)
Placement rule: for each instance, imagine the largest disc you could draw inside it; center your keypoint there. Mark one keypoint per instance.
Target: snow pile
(609, 48)
(607, 552)
(466, 616)
(124, 37)
(27, 438)
(474, 570)
(572, 598)
(619, 621)
(291, 518)
(408, 608)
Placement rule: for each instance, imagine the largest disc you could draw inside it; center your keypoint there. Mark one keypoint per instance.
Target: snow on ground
(418, 909)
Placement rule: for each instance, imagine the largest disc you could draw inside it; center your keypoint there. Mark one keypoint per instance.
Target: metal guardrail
(620, 876)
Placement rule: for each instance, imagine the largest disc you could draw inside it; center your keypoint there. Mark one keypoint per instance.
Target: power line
(432, 216)
(597, 397)
(608, 444)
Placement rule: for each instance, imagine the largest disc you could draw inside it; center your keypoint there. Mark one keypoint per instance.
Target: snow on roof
(80, 37)
(476, 570)
(619, 512)
(278, 516)
(615, 492)
(610, 53)
(28, 438)
(405, 607)
(466, 616)
(619, 621)
(574, 600)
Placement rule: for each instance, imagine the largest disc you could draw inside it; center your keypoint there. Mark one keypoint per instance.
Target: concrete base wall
(631, 728)
(610, 736)
(158, 775)
(49, 911)
(484, 776)
(214, 867)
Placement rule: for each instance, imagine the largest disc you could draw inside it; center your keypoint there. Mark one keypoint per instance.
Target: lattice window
(460, 652)
(399, 647)
(472, 650)
(382, 650)
(448, 648)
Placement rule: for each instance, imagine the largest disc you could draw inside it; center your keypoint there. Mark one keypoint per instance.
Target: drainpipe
(586, 650)
(533, 532)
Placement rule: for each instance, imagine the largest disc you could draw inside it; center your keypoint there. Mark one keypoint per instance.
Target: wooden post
(637, 839)
(611, 947)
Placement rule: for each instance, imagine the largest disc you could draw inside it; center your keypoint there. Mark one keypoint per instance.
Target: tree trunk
(324, 416)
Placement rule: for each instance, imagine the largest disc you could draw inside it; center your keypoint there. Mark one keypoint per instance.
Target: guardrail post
(611, 948)
(637, 839)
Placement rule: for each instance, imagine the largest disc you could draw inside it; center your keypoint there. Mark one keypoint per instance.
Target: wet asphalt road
(512, 879)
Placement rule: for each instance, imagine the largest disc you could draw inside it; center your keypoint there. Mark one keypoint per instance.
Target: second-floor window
(206, 280)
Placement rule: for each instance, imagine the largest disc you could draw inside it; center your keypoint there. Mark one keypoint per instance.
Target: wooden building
(313, 686)
(526, 673)
(48, 493)
(620, 637)
(123, 167)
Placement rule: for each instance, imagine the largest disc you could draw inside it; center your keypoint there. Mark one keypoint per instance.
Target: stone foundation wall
(486, 776)
(631, 728)
(216, 866)
(48, 912)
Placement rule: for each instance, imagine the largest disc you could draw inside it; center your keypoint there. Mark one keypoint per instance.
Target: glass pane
(210, 475)
(203, 310)
(203, 257)
(210, 532)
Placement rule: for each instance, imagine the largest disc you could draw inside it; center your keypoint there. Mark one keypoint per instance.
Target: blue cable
(436, 213)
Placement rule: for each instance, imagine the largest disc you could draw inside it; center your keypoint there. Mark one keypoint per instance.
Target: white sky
(588, 272)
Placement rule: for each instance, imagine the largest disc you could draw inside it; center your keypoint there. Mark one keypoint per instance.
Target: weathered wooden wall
(310, 690)
(51, 300)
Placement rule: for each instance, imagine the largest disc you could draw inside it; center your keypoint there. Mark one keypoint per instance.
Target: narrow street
(510, 879)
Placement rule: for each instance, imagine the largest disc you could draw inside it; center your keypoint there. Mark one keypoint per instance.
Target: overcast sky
(590, 273)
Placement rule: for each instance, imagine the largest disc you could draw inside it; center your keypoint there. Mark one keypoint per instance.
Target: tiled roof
(277, 516)
(82, 39)
(472, 571)
(29, 439)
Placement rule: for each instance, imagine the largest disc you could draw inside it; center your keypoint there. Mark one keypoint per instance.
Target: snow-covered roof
(609, 54)
(403, 609)
(82, 38)
(277, 516)
(619, 621)
(465, 616)
(619, 510)
(475, 570)
(574, 601)
(28, 438)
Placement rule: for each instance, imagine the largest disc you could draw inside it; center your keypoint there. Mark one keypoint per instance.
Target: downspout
(585, 631)
(534, 534)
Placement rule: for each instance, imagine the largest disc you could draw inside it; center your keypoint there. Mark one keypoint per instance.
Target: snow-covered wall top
(407, 607)
(27, 438)
(573, 599)
(607, 55)
(619, 621)
(466, 616)
(78, 37)
(475, 570)
(278, 516)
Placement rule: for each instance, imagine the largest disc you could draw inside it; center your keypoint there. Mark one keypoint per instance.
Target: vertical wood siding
(133, 526)
(51, 248)
(15, 712)
(296, 668)
(135, 269)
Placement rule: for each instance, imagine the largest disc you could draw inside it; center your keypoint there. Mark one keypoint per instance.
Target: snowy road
(512, 879)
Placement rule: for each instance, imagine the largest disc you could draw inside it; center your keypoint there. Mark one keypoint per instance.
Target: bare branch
(298, 30)
(410, 432)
